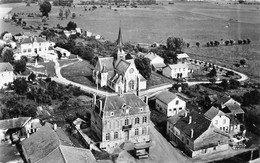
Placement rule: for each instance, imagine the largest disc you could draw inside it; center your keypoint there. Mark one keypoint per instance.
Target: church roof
(119, 40)
(106, 63)
(122, 66)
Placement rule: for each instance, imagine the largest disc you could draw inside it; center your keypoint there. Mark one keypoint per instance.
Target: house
(32, 46)
(211, 99)
(50, 144)
(157, 62)
(234, 109)
(78, 30)
(169, 103)
(118, 74)
(178, 70)
(224, 100)
(120, 118)
(6, 74)
(18, 127)
(218, 119)
(197, 137)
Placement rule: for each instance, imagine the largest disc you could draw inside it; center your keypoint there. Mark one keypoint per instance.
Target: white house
(218, 119)
(32, 45)
(6, 74)
(178, 70)
(157, 62)
(226, 100)
(169, 103)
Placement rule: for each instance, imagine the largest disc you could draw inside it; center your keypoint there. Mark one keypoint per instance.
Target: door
(126, 135)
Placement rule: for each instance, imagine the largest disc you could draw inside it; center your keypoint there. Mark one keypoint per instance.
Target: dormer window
(112, 114)
(141, 109)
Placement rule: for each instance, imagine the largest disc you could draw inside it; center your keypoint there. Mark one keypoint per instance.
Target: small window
(179, 69)
(24, 50)
(180, 108)
(143, 130)
(144, 119)
(116, 135)
(183, 69)
(216, 122)
(214, 148)
(40, 49)
(29, 50)
(126, 122)
(136, 131)
(137, 120)
(112, 114)
(141, 109)
(170, 109)
(187, 142)
(182, 139)
(107, 136)
(177, 102)
(220, 128)
(224, 121)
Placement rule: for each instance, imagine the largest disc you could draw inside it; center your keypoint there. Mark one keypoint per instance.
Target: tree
(61, 14)
(45, 8)
(143, 66)
(175, 44)
(7, 55)
(24, 58)
(234, 84)
(242, 62)
(213, 72)
(20, 85)
(44, 19)
(251, 98)
(32, 77)
(198, 44)
(59, 55)
(170, 57)
(240, 42)
(73, 15)
(29, 110)
(20, 66)
(67, 13)
(227, 42)
(230, 73)
(231, 42)
(224, 84)
(71, 26)
(213, 80)
(248, 41)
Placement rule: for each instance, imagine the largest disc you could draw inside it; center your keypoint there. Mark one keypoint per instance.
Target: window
(143, 130)
(141, 109)
(40, 49)
(127, 122)
(180, 108)
(182, 139)
(179, 69)
(116, 135)
(136, 131)
(29, 50)
(224, 121)
(137, 120)
(107, 136)
(131, 85)
(24, 50)
(214, 148)
(112, 113)
(216, 122)
(183, 69)
(220, 128)
(187, 142)
(170, 109)
(177, 102)
(144, 119)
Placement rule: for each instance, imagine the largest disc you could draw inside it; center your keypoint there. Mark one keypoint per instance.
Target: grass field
(192, 21)
(48, 66)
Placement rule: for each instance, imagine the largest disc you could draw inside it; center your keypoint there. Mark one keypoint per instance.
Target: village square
(76, 90)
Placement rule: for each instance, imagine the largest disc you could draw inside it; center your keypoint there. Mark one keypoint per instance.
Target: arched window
(143, 130)
(144, 119)
(131, 85)
(126, 122)
(136, 131)
(116, 135)
(137, 120)
(108, 136)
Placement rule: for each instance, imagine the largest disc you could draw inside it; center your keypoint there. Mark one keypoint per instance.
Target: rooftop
(122, 66)
(5, 66)
(106, 63)
(14, 122)
(166, 96)
(234, 109)
(213, 112)
(183, 55)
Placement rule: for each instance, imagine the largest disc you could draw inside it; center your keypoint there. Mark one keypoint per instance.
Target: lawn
(227, 56)
(67, 61)
(157, 79)
(48, 66)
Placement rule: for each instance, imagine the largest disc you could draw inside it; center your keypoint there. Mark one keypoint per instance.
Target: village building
(196, 136)
(32, 46)
(118, 74)
(50, 144)
(6, 74)
(169, 103)
(157, 62)
(218, 119)
(120, 118)
(225, 100)
(178, 70)
(19, 128)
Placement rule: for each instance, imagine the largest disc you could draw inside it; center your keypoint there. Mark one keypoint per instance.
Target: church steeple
(119, 40)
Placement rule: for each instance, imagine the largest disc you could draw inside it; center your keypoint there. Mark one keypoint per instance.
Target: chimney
(54, 126)
(190, 119)
(100, 106)
(191, 133)
(146, 99)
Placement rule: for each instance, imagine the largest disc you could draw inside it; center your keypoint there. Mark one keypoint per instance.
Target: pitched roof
(106, 63)
(122, 66)
(26, 40)
(119, 40)
(39, 39)
(173, 119)
(43, 142)
(183, 55)
(213, 112)
(213, 98)
(115, 102)
(14, 122)
(173, 66)
(235, 109)
(152, 56)
(223, 100)
(199, 124)
(5, 66)
(166, 96)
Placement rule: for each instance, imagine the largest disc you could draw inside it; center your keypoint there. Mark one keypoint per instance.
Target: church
(118, 74)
